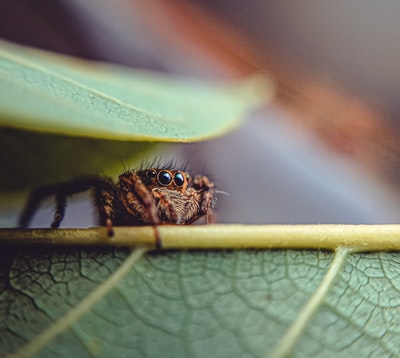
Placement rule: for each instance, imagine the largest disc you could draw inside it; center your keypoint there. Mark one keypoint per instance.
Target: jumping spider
(151, 196)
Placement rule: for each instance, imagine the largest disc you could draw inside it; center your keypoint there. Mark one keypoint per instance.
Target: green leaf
(29, 159)
(53, 93)
(61, 117)
(178, 304)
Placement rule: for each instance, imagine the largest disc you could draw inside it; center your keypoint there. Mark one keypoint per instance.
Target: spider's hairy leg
(61, 192)
(165, 207)
(108, 204)
(210, 217)
(36, 197)
(207, 203)
(207, 190)
(61, 204)
(134, 191)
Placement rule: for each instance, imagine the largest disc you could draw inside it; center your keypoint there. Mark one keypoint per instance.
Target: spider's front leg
(169, 204)
(140, 205)
(137, 200)
(205, 190)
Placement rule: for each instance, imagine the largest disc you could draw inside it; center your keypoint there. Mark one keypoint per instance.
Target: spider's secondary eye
(164, 177)
(179, 179)
(151, 173)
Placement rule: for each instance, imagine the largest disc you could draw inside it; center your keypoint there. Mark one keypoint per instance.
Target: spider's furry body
(145, 197)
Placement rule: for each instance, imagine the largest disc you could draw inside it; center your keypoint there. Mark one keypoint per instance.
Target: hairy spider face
(165, 196)
(151, 196)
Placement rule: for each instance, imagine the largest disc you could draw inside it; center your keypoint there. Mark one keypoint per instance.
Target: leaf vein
(288, 341)
(43, 339)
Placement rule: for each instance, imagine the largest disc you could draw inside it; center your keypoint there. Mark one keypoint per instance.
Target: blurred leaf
(219, 304)
(53, 93)
(61, 117)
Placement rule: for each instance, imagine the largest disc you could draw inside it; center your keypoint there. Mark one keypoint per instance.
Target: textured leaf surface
(222, 304)
(53, 93)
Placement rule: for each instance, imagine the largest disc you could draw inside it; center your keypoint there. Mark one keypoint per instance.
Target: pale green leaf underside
(29, 159)
(62, 117)
(219, 304)
(41, 91)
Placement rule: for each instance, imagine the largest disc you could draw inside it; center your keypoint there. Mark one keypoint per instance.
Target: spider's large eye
(179, 179)
(164, 177)
(151, 173)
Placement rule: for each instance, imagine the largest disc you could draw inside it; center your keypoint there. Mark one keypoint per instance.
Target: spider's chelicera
(151, 196)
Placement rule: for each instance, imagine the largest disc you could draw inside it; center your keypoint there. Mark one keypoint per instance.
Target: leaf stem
(231, 236)
(289, 340)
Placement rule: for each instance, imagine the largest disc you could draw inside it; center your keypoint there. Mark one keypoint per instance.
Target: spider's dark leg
(206, 198)
(61, 203)
(35, 199)
(108, 204)
(158, 241)
(210, 217)
(61, 191)
(207, 203)
(165, 209)
(147, 201)
(134, 190)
